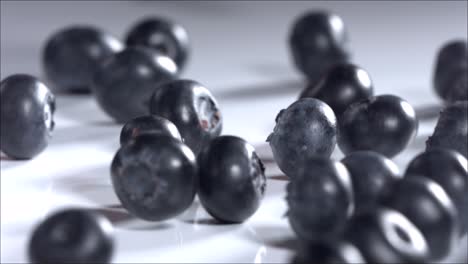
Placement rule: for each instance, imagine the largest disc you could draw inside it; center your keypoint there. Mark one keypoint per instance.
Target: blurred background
(239, 51)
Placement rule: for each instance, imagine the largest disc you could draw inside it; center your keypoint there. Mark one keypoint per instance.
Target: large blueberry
(72, 55)
(341, 86)
(306, 128)
(26, 117)
(147, 125)
(162, 35)
(318, 40)
(320, 200)
(155, 177)
(451, 131)
(372, 174)
(385, 124)
(192, 108)
(232, 179)
(72, 236)
(328, 253)
(125, 82)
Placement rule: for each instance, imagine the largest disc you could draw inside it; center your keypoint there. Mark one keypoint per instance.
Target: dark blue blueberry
(147, 125)
(232, 179)
(451, 71)
(192, 108)
(306, 128)
(339, 252)
(385, 124)
(451, 131)
(125, 82)
(387, 236)
(372, 174)
(72, 55)
(162, 35)
(72, 236)
(430, 209)
(449, 169)
(341, 86)
(26, 117)
(155, 177)
(317, 41)
(320, 200)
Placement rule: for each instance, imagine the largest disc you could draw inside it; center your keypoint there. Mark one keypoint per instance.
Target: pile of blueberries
(357, 210)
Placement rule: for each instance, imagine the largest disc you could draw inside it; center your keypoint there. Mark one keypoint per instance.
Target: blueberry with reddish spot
(192, 108)
(147, 125)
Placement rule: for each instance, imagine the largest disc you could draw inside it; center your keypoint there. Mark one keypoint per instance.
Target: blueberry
(451, 71)
(306, 128)
(372, 174)
(72, 236)
(449, 169)
(162, 35)
(342, 85)
(124, 84)
(430, 209)
(320, 200)
(317, 41)
(26, 120)
(147, 125)
(387, 236)
(72, 55)
(451, 131)
(384, 124)
(192, 108)
(232, 179)
(155, 177)
(328, 253)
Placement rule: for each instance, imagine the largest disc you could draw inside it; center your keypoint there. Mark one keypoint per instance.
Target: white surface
(240, 53)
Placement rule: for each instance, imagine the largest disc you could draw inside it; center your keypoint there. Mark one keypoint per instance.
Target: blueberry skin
(342, 85)
(430, 209)
(125, 82)
(451, 70)
(155, 177)
(317, 41)
(147, 125)
(320, 200)
(232, 179)
(72, 55)
(387, 236)
(26, 117)
(192, 108)
(339, 252)
(72, 236)
(449, 169)
(451, 131)
(372, 174)
(306, 128)
(162, 35)
(385, 124)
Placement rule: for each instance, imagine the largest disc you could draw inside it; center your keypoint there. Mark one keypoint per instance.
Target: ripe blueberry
(317, 41)
(72, 55)
(232, 179)
(451, 131)
(328, 253)
(26, 117)
(430, 209)
(125, 82)
(72, 236)
(449, 169)
(162, 35)
(372, 174)
(342, 85)
(306, 128)
(155, 177)
(147, 125)
(384, 124)
(320, 200)
(192, 108)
